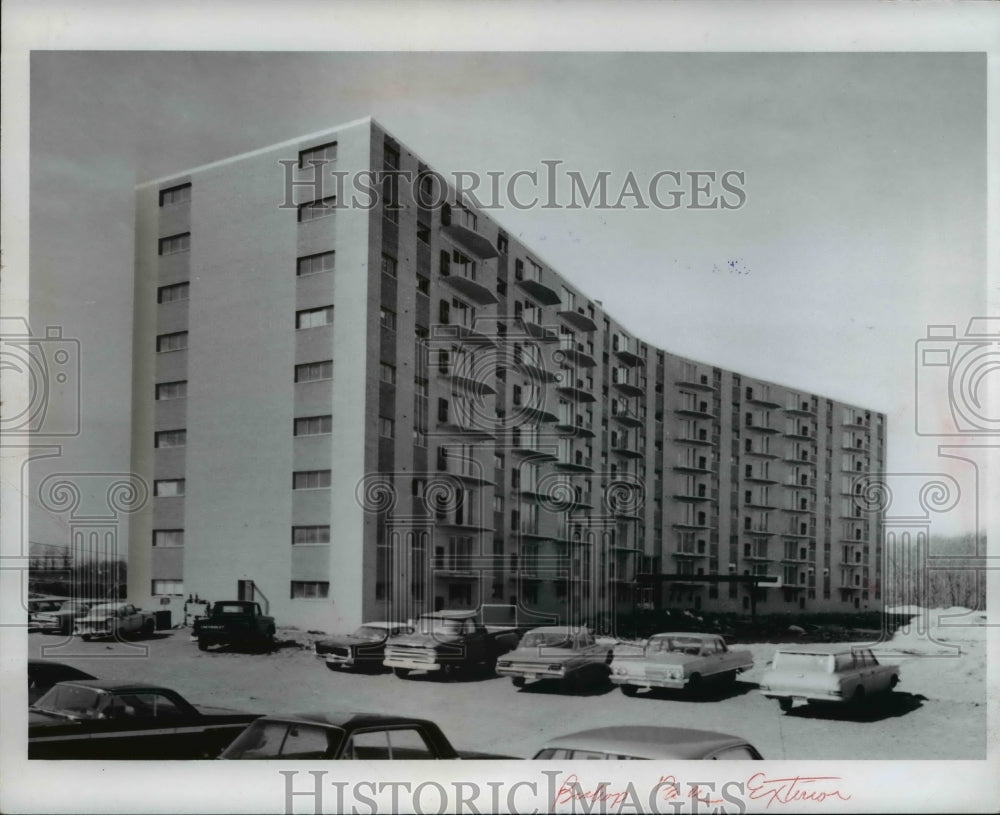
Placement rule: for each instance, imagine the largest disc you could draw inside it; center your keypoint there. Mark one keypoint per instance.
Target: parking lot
(938, 711)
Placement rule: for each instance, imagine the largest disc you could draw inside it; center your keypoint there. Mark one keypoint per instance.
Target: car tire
(729, 677)
(85, 637)
(202, 645)
(402, 673)
(148, 628)
(331, 666)
(785, 704)
(517, 681)
(858, 698)
(449, 671)
(893, 682)
(629, 690)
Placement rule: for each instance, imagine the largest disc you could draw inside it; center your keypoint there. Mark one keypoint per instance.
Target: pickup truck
(234, 622)
(344, 736)
(833, 674)
(679, 661)
(448, 642)
(114, 620)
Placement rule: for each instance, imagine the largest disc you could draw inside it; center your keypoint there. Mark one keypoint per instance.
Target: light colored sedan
(678, 661)
(565, 653)
(648, 742)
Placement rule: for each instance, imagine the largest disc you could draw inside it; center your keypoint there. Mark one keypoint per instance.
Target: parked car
(38, 606)
(832, 674)
(369, 736)
(679, 661)
(114, 620)
(561, 652)
(62, 620)
(449, 642)
(101, 719)
(648, 742)
(43, 674)
(234, 622)
(364, 648)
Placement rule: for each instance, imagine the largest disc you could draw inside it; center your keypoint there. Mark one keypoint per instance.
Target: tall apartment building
(358, 412)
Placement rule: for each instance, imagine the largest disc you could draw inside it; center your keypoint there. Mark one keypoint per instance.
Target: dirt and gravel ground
(938, 711)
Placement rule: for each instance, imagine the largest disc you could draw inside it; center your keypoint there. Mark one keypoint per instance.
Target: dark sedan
(43, 674)
(98, 719)
(363, 649)
(369, 736)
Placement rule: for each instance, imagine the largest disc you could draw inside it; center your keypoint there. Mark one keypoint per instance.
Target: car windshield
(439, 626)
(288, 740)
(547, 639)
(679, 645)
(785, 661)
(369, 632)
(72, 700)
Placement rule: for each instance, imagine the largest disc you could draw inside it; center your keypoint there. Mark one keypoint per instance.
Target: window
(174, 587)
(168, 537)
(172, 342)
(314, 210)
(423, 233)
(502, 243)
(310, 589)
(171, 390)
(443, 410)
(311, 480)
(389, 265)
(313, 425)
(387, 373)
(172, 294)
(402, 743)
(314, 264)
(388, 318)
(423, 284)
(310, 534)
(323, 153)
(170, 438)
(168, 487)
(175, 243)
(313, 371)
(390, 157)
(175, 195)
(314, 317)
(386, 427)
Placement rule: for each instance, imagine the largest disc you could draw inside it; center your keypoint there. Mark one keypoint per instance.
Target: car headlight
(555, 667)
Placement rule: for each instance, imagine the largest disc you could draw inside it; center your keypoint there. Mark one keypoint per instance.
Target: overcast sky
(864, 219)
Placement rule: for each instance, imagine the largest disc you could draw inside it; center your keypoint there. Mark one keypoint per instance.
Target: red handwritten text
(793, 788)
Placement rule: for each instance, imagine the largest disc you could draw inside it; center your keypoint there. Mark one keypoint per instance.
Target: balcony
(693, 466)
(531, 284)
(467, 431)
(758, 502)
(625, 382)
(702, 439)
(697, 410)
(626, 448)
(759, 478)
(801, 433)
(459, 226)
(760, 453)
(691, 379)
(463, 332)
(759, 556)
(578, 320)
(577, 430)
(575, 465)
(756, 424)
(691, 523)
(464, 282)
(576, 391)
(533, 327)
(688, 554)
(625, 416)
(795, 457)
(529, 444)
(800, 408)
(797, 508)
(693, 497)
(626, 351)
(762, 398)
(573, 352)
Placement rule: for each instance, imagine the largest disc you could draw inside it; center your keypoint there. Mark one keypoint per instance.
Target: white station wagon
(835, 674)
